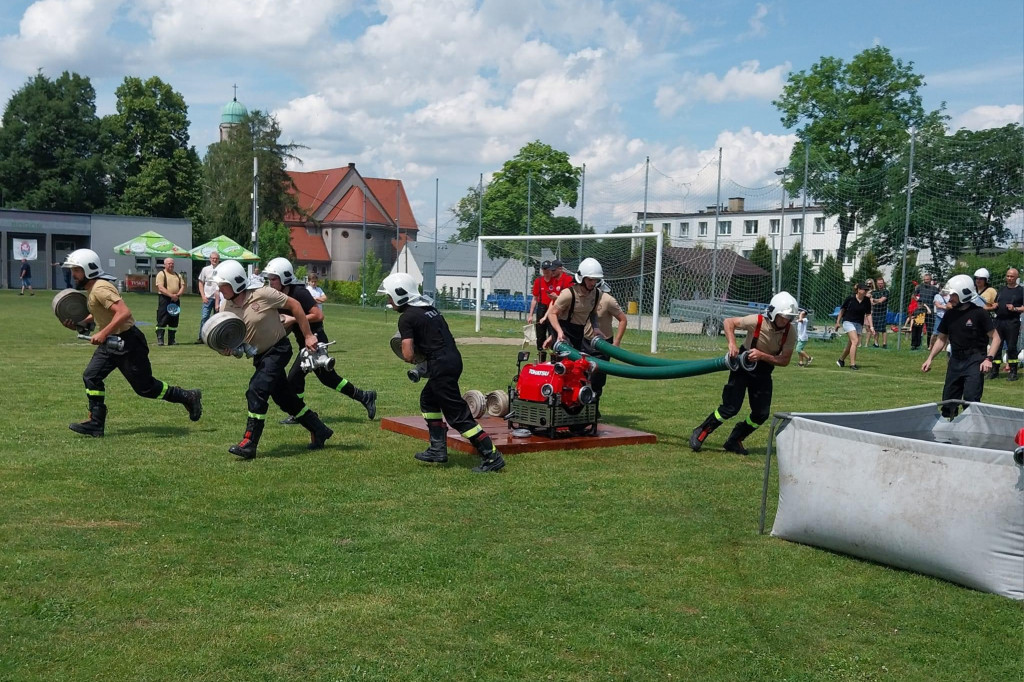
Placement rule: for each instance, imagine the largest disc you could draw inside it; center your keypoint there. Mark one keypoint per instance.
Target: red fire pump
(553, 398)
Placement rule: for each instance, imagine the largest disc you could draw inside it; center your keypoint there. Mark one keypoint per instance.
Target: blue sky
(449, 89)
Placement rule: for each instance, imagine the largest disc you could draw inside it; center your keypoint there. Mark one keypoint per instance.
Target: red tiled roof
(308, 248)
(313, 188)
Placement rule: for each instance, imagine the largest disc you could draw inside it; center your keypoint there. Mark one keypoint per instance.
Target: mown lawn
(153, 554)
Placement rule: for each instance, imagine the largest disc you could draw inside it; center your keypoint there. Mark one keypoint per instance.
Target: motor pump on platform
(553, 397)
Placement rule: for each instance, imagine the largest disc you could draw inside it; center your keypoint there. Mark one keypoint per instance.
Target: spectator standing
(926, 291)
(540, 302)
(986, 292)
(26, 278)
(972, 335)
(208, 289)
(1009, 303)
(170, 285)
(313, 287)
(869, 321)
(940, 304)
(801, 339)
(851, 318)
(68, 281)
(880, 311)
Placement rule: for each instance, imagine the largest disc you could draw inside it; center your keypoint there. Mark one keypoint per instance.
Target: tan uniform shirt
(263, 326)
(989, 295)
(770, 339)
(584, 304)
(608, 309)
(174, 284)
(101, 297)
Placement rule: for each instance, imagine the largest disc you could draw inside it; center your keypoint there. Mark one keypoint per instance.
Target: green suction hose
(677, 370)
(623, 355)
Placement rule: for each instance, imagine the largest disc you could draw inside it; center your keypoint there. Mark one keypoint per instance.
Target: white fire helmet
(589, 267)
(963, 287)
(232, 273)
(89, 261)
(982, 273)
(783, 304)
(282, 269)
(403, 290)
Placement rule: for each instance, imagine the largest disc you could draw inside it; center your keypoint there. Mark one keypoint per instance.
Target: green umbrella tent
(227, 248)
(151, 244)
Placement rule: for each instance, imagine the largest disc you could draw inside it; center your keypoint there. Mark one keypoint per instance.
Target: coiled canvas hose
(497, 403)
(476, 401)
(396, 348)
(677, 370)
(223, 331)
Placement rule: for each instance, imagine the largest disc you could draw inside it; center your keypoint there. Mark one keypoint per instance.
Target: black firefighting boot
(1014, 366)
(994, 372)
(191, 399)
(368, 400)
(438, 450)
(246, 448)
(159, 337)
(492, 459)
(734, 443)
(703, 431)
(93, 426)
(318, 431)
(170, 337)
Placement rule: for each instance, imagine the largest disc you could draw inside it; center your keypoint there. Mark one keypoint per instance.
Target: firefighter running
(281, 277)
(424, 330)
(257, 306)
(113, 318)
(771, 338)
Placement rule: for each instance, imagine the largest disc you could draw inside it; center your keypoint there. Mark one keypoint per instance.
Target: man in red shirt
(542, 298)
(564, 279)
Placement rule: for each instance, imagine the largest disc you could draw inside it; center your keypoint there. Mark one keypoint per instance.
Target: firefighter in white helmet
(424, 330)
(257, 305)
(280, 275)
(974, 341)
(113, 318)
(771, 338)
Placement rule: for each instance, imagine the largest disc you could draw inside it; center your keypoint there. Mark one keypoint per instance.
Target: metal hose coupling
(114, 343)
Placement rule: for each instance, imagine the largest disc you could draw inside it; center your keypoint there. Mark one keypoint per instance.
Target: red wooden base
(497, 429)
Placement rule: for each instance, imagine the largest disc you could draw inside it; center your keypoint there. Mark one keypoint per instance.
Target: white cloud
(60, 34)
(756, 21)
(743, 82)
(988, 116)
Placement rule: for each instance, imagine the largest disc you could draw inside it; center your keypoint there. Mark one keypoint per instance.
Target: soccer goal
(632, 264)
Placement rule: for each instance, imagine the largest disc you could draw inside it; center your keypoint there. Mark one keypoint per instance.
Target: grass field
(153, 554)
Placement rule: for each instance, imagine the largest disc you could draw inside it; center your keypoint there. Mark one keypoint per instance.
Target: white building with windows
(739, 229)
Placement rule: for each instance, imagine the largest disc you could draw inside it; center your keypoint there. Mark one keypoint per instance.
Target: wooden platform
(497, 429)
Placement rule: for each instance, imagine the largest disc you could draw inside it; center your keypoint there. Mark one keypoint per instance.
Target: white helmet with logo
(281, 268)
(403, 290)
(963, 287)
(982, 273)
(232, 273)
(783, 304)
(589, 267)
(89, 261)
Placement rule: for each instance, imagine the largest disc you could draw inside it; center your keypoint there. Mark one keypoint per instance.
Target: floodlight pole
(255, 208)
(906, 236)
(803, 220)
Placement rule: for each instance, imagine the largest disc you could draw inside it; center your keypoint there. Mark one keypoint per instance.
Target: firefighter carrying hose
(112, 317)
(281, 277)
(771, 338)
(257, 305)
(424, 330)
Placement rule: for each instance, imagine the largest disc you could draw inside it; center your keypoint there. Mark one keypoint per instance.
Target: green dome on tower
(232, 113)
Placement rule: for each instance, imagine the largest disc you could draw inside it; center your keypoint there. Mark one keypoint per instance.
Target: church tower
(231, 115)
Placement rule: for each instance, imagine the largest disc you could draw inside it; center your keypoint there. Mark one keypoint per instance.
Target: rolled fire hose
(678, 370)
(223, 331)
(476, 401)
(631, 358)
(396, 348)
(497, 403)
(71, 305)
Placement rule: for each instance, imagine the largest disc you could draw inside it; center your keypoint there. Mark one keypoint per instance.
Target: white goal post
(657, 235)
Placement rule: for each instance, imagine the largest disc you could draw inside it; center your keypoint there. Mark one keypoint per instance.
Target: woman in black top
(851, 319)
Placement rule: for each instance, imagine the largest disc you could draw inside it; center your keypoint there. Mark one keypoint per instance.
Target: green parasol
(150, 244)
(227, 248)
